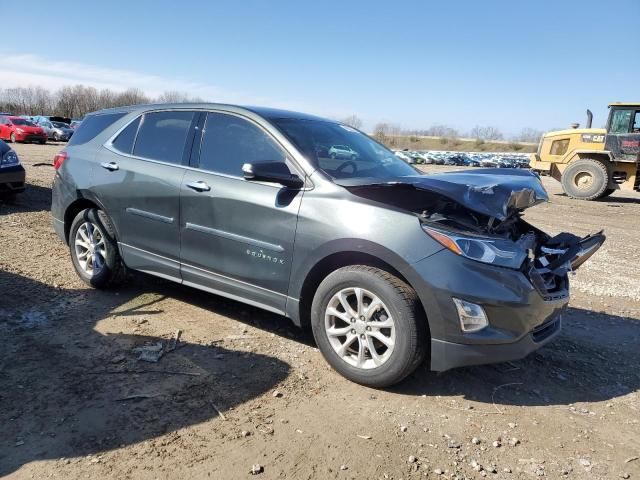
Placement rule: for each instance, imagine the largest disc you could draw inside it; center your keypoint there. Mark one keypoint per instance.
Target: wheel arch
(300, 313)
(603, 156)
(76, 207)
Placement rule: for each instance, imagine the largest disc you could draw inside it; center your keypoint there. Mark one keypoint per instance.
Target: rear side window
(124, 141)
(162, 136)
(92, 126)
(229, 142)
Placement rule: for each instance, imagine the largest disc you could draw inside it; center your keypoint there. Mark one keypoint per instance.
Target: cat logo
(592, 138)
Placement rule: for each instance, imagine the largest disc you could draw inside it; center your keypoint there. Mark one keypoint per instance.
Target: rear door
(138, 180)
(237, 235)
(623, 136)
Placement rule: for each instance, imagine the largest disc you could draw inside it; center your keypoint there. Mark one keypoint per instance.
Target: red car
(16, 129)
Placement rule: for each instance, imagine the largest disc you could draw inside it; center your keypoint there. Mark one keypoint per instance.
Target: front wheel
(94, 250)
(369, 325)
(585, 179)
(12, 138)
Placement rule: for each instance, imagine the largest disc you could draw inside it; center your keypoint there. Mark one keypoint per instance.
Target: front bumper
(447, 355)
(520, 319)
(12, 179)
(31, 137)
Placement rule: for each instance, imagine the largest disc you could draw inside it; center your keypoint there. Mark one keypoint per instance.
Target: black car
(12, 174)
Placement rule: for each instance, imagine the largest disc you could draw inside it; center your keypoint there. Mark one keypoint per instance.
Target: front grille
(544, 331)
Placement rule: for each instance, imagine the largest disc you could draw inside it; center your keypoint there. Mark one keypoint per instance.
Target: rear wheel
(94, 250)
(585, 179)
(369, 325)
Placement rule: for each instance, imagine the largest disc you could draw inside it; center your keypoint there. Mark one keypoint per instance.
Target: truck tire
(607, 192)
(585, 179)
(369, 325)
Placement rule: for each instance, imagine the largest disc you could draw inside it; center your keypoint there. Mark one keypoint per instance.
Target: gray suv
(385, 265)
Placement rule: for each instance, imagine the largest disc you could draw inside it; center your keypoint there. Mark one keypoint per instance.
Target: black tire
(56, 137)
(411, 342)
(332, 155)
(12, 138)
(607, 192)
(593, 171)
(113, 271)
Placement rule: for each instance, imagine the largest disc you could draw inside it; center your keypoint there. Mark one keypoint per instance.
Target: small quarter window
(124, 141)
(636, 122)
(162, 136)
(92, 126)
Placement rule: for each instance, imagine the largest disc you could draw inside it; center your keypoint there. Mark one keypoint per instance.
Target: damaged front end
(478, 214)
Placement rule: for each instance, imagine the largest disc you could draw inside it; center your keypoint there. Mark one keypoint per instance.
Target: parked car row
(36, 129)
(467, 159)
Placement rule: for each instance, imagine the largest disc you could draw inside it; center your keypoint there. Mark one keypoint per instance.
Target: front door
(623, 136)
(237, 235)
(138, 179)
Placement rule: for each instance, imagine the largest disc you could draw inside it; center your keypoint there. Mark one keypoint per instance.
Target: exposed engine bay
(485, 208)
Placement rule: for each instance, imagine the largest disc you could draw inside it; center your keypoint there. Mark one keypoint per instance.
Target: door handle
(199, 186)
(111, 166)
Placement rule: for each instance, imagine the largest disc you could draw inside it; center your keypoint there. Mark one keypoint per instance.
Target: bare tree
(530, 135)
(485, 133)
(442, 131)
(381, 132)
(173, 96)
(353, 121)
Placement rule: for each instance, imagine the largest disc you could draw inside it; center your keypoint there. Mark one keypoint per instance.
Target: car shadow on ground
(594, 359)
(69, 391)
(34, 199)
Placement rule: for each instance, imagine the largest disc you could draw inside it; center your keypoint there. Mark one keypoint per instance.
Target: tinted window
(620, 121)
(342, 151)
(124, 141)
(229, 142)
(636, 122)
(92, 126)
(162, 136)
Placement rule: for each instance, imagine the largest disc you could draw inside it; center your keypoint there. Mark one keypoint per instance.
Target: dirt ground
(246, 387)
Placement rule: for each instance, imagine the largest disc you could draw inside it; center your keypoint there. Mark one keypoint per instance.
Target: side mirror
(273, 172)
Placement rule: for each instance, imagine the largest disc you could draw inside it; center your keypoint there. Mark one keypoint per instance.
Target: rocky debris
(365, 437)
(476, 466)
(497, 444)
(512, 425)
(514, 442)
(412, 459)
(277, 394)
(631, 459)
(404, 428)
(625, 475)
(475, 441)
(343, 467)
(453, 444)
(256, 469)
(438, 471)
(245, 433)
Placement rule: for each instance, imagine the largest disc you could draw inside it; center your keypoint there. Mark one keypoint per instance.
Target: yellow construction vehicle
(590, 162)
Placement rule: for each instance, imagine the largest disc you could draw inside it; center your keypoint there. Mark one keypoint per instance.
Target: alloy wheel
(360, 328)
(90, 248)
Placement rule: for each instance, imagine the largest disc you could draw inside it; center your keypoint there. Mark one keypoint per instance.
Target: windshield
(341, 151)
(22, 121)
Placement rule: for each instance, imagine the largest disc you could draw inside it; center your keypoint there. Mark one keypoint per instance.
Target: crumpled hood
(495, 192)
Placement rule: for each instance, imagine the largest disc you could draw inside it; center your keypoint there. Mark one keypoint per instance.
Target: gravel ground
(247, 388)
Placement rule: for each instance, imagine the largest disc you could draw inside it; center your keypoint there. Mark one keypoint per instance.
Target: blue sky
(510, 64)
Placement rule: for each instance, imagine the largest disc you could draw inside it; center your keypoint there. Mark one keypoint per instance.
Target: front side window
(228, 142)
(620, 121)
(341, 151)
(162, 136)
(22, 122)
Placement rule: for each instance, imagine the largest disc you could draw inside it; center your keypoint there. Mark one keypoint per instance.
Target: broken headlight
(496, 251)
